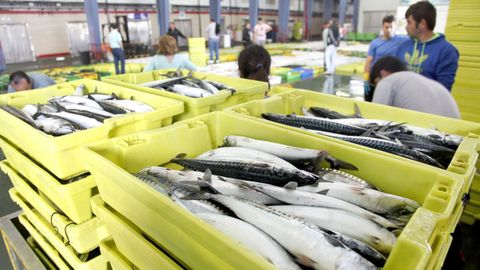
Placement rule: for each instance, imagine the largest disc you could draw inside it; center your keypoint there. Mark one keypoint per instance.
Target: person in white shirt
(260, 32)
(213, 35)
(115, 41)
(329, 43)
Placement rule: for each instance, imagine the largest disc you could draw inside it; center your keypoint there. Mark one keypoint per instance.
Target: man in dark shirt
(174, 32)
(246, 39)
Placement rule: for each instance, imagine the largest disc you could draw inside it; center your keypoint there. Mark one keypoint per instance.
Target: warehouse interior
(202, 134)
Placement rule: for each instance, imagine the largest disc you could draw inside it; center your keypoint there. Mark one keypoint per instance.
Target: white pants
(330, 55)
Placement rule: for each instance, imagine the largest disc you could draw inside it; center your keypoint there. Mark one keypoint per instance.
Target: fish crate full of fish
(441, 142)
(49, 124)
(278, 181)
(201, 92)
(128, 239)
(83, 237)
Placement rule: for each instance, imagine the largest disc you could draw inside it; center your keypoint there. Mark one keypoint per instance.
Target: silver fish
(79, 121)
(54, 126)
(298, 197)
(287, 152)
(19, 114)
(311, 246)
(344, 222)
(370, 199)
(217, 183)
(127, 105)
(189, 91)
(81, 100)
(337, 176)
(177, 191)
(252, 238)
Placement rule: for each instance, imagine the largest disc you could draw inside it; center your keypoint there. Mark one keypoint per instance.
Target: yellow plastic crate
(82, 237)
(115, 258)
(350, 69)
(461, 33)
(41, 232)
(50, 251)
(197, 51)
(130, 241)
(196, 42)
(463, 162)
(59, 154)
(246, 90)
(194, 244)
(71, 198)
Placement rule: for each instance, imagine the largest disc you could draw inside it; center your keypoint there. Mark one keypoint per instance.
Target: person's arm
(368, 63)
(188, 65)
(180, 34)
(384, 93)
(447, 67)
(150, 66)
(268, 29)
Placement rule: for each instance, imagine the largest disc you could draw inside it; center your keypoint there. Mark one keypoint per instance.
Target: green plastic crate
(59, 154)
(193, 243)
(246, 90)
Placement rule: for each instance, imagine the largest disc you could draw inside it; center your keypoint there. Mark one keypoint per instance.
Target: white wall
(387, 6)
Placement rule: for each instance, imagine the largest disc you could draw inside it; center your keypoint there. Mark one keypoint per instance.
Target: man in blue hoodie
(428, 53)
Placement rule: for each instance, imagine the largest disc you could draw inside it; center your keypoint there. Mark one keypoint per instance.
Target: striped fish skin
(314, 123)
(386, 146)
(326, 113)
(336, 176)
(345, 223)
(176, 191)
(249, 169)
(222, 186)
(310, 245)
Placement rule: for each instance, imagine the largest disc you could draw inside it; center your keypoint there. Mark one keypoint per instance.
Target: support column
(163, 15)
(215, 10)
(3, 66)
(308, 16)
(283, 17)
(91, 11)
(341, 12)
(253, 13)
(328, 8)
(356, 10)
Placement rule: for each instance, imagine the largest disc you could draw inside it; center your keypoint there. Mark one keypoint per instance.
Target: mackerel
(286, 152)
(81, 100)
(215, 181)
(337, 176)
(176, 191)
(384, 145)
(252, 238)
(223, 153)
(298, 197)
(189, 91)
(126, 105)
(249, 169)
(20, 115)
(370, 199)
(54, 126)
(79, 121)
(314, 123)
(310, 245)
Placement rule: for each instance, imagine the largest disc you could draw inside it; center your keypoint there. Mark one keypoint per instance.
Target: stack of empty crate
(196, 50)
(463, 31)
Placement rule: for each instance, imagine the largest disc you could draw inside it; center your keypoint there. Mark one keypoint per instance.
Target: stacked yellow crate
(50, 182)
(463, 30)
(196, 50)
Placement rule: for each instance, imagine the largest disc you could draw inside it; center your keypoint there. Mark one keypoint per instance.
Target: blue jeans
(119, 56)
(213, 44)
